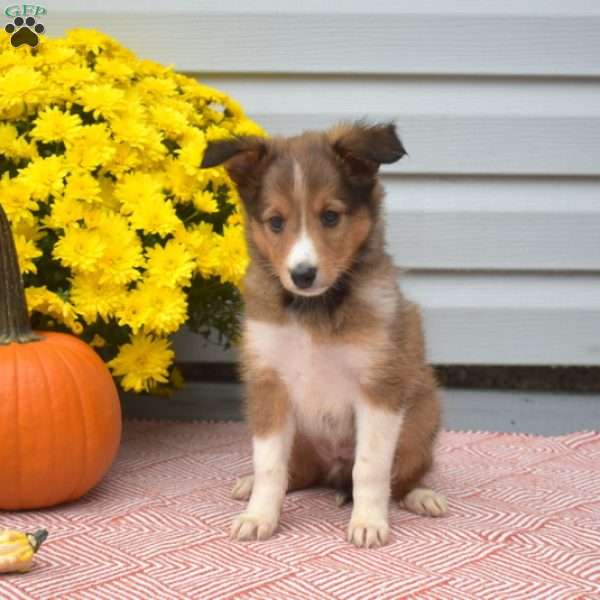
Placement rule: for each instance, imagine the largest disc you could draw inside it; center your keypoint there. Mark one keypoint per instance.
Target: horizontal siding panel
(476, 145)
(520, 292)
(456, 96)
(557, 8)
(448, 126)
(336, 38)
(516, 320)
(484, 224)
(491, 319)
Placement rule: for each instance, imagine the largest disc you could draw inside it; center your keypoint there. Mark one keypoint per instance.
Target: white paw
(243, 488)
(247, 527)
(368, 534)
(424, 501)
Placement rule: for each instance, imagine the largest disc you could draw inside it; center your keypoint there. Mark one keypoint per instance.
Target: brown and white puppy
(338, 391)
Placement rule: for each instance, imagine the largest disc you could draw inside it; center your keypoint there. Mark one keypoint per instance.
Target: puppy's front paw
(366, 533)
(247, 527)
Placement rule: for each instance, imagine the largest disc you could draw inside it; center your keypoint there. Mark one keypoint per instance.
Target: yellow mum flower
(170, 265)
(233, 254)
(200, 92)
(92, 299)
(206, 202)
(79, 249)
(218, 177)
(27, 252)
(138, 188)
(235, 218)
(71, 76)
(52, 53)
(136, 108)
(158, 217)
(123, 254)
(28, 229)
(148, 68)
(154, 308)
(168, 310)
(233, 107)
(134, 132)
(82, 186)
(169, 120)
(155, 216)
(194, 117)
(214, 115)
(113, 69)
(14, 146)
(88, 147)
(192, 150)
(16, 200)
(24, 150)
(102, 100)
(8, 136)
(234, 198)
(248, 127)
(157, 87)
(201, 241)
(64, 212)
(9, 57)
(182, 185)
(214, 133)
(89, 40)
(120, 261)
(53, 124)
(107, 193)
(44, 176)
(42, 300)
(20, 88)
(133, 310)
(143, 362)
(124, 160)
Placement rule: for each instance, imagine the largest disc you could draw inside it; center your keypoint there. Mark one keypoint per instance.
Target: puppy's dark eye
(276, 224)
(330, 218)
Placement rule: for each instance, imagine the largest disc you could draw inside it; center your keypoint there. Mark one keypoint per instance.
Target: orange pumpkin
(60, 416)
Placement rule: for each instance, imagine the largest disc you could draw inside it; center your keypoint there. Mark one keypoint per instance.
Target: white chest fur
(322, 379)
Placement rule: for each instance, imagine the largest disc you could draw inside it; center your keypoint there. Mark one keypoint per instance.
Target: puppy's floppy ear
(363, 147)
(241, 157)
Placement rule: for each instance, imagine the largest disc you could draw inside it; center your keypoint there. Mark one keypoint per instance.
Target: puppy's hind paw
(243, 488)
(424, 501)
(342, 497)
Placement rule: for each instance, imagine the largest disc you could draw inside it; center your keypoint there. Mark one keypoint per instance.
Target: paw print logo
(24, 31)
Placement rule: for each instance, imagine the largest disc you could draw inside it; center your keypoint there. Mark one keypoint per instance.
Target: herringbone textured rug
(524, 523)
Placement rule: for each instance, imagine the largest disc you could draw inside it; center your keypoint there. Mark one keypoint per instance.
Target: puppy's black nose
(304, 275)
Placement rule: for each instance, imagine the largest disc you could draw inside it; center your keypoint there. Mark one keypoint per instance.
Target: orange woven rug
(524, 522)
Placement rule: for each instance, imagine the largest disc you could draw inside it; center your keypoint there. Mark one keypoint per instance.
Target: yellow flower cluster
(116, 227)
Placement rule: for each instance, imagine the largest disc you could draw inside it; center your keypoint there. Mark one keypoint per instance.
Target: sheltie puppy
(338, 390)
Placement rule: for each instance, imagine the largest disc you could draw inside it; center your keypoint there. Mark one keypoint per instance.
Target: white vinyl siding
(496, 211)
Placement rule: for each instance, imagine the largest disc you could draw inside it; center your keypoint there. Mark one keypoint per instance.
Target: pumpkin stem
(14, 319)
